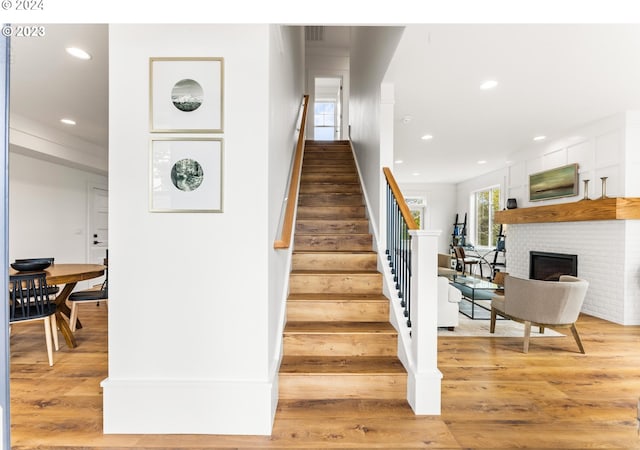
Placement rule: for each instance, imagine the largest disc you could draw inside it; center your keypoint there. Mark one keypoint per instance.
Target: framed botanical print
(186, 95)
(185, 175)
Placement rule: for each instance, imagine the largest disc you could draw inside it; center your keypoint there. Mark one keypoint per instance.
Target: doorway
(98, 225)
(327, 108)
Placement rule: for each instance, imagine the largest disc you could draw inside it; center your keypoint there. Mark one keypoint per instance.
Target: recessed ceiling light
(482, 161)
(68, 121)
(78, 53)
(489, 84)
(426, 137)
(407, 119)
(539, 138)
(415, 174)
(398, 161)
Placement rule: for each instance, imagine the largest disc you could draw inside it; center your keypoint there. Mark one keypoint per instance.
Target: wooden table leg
(63, 312)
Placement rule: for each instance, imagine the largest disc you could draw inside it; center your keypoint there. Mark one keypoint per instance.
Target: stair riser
(335, 283)
(339, 344)
(334, 261)
(331, 212)
(331, 159)
(329, 188)
(347, 242)
(324, 177)
(328, 158)
(339, 311)
(329, 169)
(322, 386)
(330, 199)
(332, 226)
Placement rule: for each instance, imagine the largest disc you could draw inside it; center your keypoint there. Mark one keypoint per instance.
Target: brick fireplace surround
(608, 258)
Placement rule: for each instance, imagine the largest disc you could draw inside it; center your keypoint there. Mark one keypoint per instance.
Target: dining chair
(29, 300)
(463, 261)
(97, 294)
(52, 289)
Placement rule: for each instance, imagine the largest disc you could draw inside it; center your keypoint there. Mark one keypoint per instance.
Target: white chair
(448, 304)
(550, 304)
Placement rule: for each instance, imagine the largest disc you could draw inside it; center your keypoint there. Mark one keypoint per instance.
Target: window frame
(493, 206)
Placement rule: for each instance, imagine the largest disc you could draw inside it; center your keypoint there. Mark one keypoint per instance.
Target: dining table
(68, 275)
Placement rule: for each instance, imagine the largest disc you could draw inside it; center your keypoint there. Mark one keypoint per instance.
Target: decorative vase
(512, 203)
(586, 190)
(604, 187)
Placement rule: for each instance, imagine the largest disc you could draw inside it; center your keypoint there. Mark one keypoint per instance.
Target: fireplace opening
(549, 266)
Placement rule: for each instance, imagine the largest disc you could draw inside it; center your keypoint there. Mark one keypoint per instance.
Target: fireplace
(549, 266)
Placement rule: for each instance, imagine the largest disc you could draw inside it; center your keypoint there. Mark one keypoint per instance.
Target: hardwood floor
(493, 396)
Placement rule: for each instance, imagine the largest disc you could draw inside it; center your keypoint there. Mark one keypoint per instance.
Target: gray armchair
(551, 304)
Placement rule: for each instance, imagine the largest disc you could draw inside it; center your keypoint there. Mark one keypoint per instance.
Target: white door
(98, 224)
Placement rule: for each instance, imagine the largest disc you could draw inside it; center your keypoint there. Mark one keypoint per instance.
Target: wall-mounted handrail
(399, 222)
(294, 183)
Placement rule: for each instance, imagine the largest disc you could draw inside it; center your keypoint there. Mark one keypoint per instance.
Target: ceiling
(47, 84)
(551, 78)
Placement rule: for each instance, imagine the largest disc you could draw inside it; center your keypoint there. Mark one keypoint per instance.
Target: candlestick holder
(586, 190)
(604, 187)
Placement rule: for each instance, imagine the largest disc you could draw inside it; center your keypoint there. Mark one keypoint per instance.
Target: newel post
(424, 383)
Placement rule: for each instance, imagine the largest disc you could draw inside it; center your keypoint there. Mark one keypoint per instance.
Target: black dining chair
(51, 289)
(29, 300)
(96, 294)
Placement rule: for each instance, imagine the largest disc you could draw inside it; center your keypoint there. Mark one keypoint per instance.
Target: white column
(424, 384)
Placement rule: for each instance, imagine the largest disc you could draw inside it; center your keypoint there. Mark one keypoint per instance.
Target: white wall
(286, 80)
(440, 199)
(189, 292)
(371, 51)
(48, 205)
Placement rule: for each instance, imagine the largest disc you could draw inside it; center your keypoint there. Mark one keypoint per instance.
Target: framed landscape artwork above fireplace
(554, 183)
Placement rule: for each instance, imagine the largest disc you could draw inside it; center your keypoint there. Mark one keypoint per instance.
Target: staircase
(338, 342)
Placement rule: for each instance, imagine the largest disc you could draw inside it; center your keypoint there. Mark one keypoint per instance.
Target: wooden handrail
(294, 184)
(402, 204)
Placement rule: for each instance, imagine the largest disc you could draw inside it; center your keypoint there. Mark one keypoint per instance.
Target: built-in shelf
(619, 208)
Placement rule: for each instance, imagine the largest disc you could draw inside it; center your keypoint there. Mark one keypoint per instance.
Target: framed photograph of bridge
(554, 183)
(185, 175)
(186, 95)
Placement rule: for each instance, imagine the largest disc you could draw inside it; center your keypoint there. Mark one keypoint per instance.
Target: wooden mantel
(618, 208)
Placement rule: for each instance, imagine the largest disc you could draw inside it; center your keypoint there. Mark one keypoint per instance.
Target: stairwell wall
(189, 302)
(371, 51)
(286, 81)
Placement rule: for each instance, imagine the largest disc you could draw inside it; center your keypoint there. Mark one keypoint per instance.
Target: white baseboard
(188, 407)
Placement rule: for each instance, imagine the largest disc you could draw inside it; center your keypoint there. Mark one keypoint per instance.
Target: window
(324, 121)
(485, 203)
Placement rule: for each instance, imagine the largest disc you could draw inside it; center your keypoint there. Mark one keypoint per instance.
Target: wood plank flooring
(493, 397)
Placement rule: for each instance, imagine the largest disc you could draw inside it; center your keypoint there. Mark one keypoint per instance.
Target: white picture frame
(186, 95)
(186, 175)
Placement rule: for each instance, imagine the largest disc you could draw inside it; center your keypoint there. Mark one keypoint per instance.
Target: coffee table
(474, 289)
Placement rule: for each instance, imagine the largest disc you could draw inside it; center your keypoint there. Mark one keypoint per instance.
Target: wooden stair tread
(309, 365)
(339, 328)
(335, 272)
(314, 297)
(334, 252)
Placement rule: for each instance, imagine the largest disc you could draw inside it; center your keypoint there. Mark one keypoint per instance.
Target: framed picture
(186, 95)
(554, 183)
(186, 175)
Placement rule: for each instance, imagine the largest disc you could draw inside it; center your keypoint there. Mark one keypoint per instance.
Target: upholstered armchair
(550, 304)
(448, 304)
